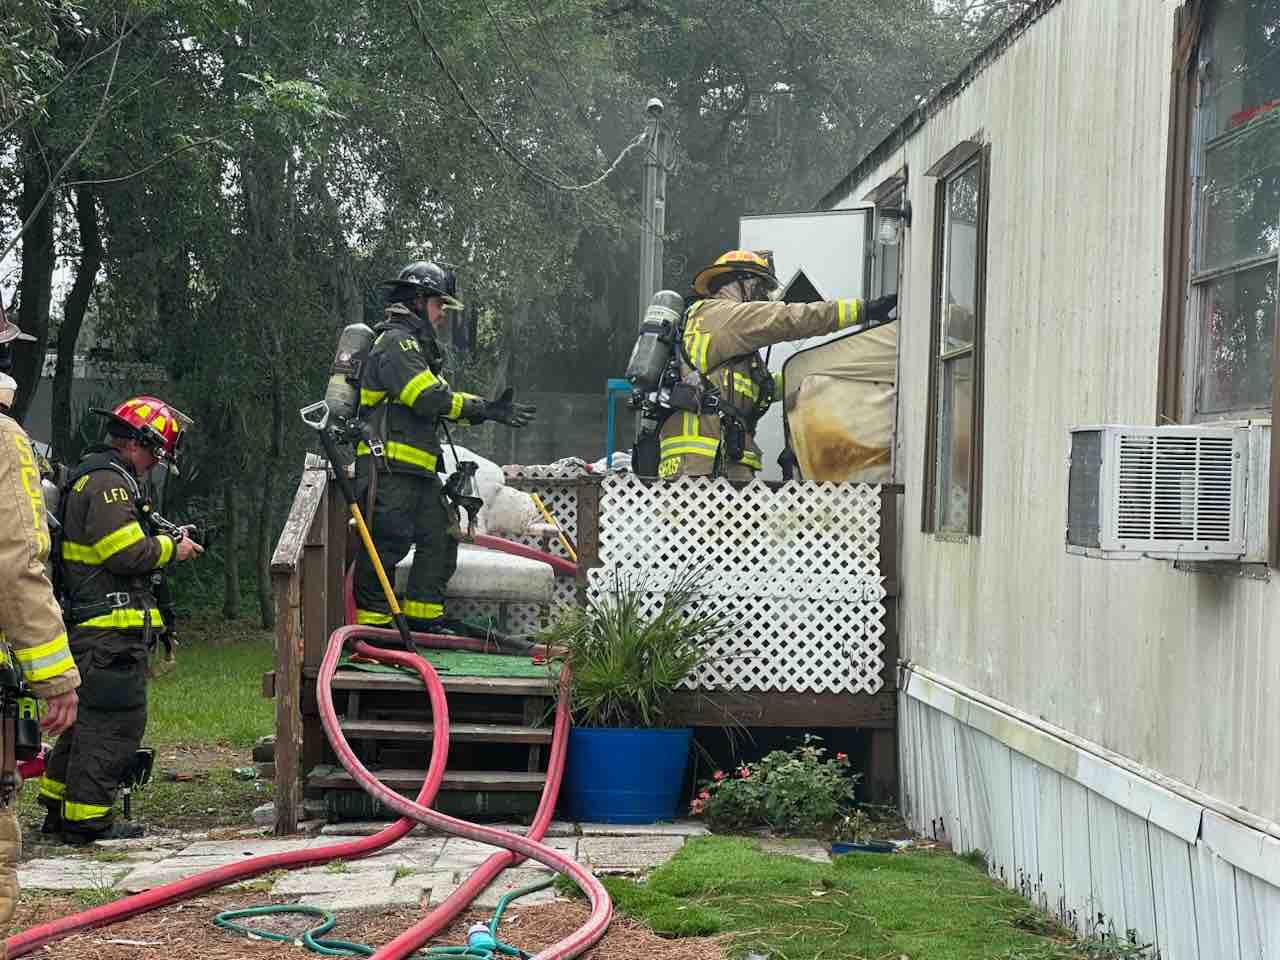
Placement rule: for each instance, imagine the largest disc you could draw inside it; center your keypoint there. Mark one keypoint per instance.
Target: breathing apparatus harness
(662, 388)
(342, 395)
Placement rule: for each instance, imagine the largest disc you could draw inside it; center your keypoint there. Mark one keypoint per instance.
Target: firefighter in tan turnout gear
(723, 334)
(107, 560)
(32, 635)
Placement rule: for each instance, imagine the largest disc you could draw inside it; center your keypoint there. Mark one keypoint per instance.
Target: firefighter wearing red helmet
(723, 334)
(107, 561)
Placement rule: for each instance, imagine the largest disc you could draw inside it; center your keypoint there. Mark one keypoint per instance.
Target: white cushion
(484, 574)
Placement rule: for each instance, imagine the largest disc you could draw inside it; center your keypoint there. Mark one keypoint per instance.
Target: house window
(953, 462)
(1235, 212)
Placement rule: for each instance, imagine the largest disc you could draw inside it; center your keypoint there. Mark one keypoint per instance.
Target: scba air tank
(652, 352)
(343, 392)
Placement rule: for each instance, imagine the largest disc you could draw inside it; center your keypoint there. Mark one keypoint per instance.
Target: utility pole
(653, 211)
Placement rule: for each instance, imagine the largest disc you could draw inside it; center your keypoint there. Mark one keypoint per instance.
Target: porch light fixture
(891, 221)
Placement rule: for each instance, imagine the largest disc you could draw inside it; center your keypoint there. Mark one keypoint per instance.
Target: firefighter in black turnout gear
(105, 581)
(403, 398)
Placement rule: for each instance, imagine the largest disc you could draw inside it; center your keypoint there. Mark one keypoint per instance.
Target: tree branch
(150, 166)
(53, 183)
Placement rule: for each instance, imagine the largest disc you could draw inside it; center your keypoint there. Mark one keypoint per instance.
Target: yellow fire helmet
(735, 261)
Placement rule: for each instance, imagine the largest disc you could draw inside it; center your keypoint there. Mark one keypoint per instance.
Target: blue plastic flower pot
(625, 776)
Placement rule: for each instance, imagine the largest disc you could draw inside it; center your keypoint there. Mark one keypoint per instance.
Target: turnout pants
(10, 849)
(408, 511)
(91, 759)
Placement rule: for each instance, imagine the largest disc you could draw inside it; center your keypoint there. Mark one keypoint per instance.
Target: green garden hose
(482, 948)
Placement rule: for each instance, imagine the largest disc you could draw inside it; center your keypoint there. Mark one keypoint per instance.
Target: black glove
(505, 410)
(880, 308)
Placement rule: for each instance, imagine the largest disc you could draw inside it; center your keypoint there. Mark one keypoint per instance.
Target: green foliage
(800, 791)
(628, 658)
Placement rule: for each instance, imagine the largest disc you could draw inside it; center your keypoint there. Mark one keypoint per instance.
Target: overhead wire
(498, 141)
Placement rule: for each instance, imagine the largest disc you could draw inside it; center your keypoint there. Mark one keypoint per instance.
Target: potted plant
(628, 653)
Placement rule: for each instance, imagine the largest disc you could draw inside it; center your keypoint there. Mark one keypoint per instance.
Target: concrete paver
(69, 874)
(680, 828)
(372, 898)
(627, 854)
(315, 880)
(510, 880)
(245, 848)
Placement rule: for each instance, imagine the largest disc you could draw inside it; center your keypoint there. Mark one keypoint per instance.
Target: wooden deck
(385, 716)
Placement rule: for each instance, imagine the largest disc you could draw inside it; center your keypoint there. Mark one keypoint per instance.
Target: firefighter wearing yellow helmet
(33, 640)
(723, 335)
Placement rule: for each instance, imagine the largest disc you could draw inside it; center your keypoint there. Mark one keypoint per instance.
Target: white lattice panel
(560, 496)
(522, 619)
(798, 569)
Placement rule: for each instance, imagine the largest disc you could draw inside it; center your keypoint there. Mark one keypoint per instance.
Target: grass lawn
(202, 720)
(925, 905)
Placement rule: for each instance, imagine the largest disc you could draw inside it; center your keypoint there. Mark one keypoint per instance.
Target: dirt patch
(185, 931)
(198, 759)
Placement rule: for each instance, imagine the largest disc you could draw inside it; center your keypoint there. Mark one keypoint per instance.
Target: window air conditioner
(1174, 493)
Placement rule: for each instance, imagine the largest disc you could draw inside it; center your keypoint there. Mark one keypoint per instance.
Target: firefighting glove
(878, 310)
(505, 410)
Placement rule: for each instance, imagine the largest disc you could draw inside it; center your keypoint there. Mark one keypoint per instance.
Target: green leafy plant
(790, 791)
(631, 649)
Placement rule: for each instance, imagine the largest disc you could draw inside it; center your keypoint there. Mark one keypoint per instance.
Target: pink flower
(718, 775)
(842, 756)
(744, 773)
(704, 795)
(696, 807)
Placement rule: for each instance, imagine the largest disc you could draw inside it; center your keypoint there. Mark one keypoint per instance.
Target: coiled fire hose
(440, 917)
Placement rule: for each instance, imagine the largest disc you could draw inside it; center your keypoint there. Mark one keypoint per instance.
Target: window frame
(956, 162)
(1181, 303)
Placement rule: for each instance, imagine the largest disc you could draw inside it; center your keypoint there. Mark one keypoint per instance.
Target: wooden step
(502, 686)
(335, 778)
(459, 732)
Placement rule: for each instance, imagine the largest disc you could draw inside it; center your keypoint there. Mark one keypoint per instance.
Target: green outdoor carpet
(464, 663)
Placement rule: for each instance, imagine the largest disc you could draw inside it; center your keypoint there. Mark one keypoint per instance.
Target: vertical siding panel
(1108, 914)
(1217, 918)
(1077, 909)
(1025, 786)
(1258, 904)
(1174, 897)
(1135, 868)
(1051, 879)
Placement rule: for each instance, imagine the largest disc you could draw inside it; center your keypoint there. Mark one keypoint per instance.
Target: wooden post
(337, 515)
(288, 695)
(588, 532)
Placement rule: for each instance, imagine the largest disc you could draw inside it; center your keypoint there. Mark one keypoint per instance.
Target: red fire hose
(601, 908)
(36, 937)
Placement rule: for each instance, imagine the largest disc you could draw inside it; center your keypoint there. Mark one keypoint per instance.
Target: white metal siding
(1177, 671)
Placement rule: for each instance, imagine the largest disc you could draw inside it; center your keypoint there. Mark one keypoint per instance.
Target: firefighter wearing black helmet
(723, 334)
(404, 397)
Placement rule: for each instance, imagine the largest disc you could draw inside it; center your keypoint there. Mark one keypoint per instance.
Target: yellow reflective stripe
(744, 385)
(371, 618)
(426, 380)
(106, 548)
(705, 345)
(166, 549)
(849, 311)
(79, 553)
(46, 660)
(689, 443)
(371, 398)
(423, 611)
(751, 459)
(53, 789)
(407, 454)
(124, 619)
(455, 408)
(83, 811)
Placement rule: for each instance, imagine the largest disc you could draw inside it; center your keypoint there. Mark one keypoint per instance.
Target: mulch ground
(185, 931)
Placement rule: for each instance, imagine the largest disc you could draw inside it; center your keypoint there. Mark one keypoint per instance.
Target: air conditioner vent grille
(1176, 488)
